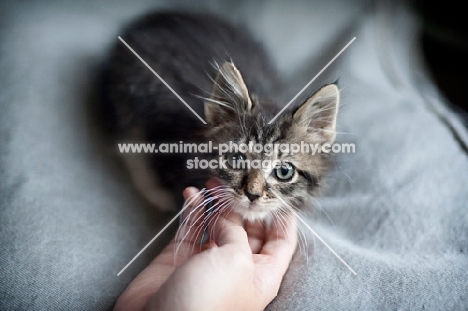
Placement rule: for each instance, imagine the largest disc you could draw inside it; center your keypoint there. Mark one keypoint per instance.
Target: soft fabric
(396, 210)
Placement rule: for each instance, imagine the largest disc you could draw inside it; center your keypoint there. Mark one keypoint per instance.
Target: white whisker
(201, 228)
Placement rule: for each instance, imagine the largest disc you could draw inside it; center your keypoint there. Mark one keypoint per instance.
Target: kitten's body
(183, 49)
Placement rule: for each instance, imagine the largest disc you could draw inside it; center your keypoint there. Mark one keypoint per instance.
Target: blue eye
(285, 172)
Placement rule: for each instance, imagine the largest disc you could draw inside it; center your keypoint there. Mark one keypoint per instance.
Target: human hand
(238, 268)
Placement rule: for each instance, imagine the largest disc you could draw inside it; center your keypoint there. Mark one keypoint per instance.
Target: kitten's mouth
(258, 209)
(254, 206)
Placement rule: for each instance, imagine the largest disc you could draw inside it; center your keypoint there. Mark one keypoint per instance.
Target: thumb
(228, 229)
(224, 224)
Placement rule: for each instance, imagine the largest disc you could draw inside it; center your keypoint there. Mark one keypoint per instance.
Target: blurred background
(444, 40)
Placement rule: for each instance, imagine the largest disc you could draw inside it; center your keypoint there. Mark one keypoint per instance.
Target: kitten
(185, 50)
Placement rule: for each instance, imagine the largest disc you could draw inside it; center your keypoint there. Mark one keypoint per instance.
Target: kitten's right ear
(229, 96)
(318, 114)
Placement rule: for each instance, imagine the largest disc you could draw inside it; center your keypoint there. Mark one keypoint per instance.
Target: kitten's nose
(252, 196)
(254, 185)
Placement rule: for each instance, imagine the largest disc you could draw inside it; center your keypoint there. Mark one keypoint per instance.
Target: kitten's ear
(318, 114)
(229, 96)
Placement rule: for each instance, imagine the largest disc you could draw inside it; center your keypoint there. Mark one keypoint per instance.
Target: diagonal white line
(162, 80)
(313, 79)
(326, 244)
(157, 235)
(316, 234)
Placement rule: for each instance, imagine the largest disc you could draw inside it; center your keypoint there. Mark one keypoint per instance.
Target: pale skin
(240, 268)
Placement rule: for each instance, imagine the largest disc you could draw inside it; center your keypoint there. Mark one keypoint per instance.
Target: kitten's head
(267, 187)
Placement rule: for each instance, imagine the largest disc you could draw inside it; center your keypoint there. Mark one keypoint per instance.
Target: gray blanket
(395, 210)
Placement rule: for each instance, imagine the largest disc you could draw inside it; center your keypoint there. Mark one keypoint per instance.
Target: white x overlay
(271, 121)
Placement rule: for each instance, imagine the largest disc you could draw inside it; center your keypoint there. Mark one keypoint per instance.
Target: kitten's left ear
(318, 114)
(229, 96)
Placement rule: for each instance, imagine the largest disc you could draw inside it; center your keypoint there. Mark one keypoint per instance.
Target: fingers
(188, 238)
(192, 226)
(274, 258)
(280, 245)
(256, 235)
(213, 183)
(225, 225)
(281, 237)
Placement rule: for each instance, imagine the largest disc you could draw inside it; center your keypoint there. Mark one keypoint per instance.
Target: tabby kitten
(185, 50)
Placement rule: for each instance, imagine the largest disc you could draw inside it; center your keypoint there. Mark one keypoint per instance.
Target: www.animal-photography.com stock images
(233, 155)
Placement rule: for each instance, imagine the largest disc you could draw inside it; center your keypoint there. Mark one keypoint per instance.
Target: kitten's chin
(253, 216)
(253, 212)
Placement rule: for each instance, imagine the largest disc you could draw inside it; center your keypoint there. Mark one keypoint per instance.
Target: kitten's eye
(285, 172)
(233, 159)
